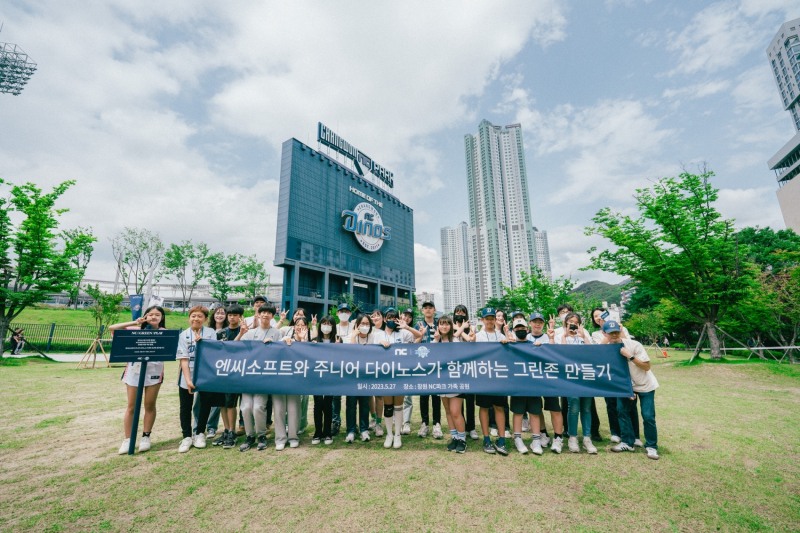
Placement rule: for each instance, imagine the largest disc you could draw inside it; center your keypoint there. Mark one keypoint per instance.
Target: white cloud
(757, 206)
(698, 90)
(428, 266)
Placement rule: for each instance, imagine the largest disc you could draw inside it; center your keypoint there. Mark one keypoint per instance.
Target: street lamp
(16, 68)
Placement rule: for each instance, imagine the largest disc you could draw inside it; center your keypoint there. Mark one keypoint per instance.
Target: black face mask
(458, 319)
(521, 333)
(391, 324)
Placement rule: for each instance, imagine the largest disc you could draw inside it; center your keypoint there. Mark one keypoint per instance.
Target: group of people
(390, 416)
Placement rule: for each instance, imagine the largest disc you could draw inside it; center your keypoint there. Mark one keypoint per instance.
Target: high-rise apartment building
(784, 59)
(499, 208)
(542, 252)
(458, 279)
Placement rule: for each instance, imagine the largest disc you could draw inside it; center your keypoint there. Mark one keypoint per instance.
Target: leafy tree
(223, 271)
(678, 246)
(139, 254)
(35, 259)
(187, 263)
(536, 292)
(254, 275)
(105, 309)
(771, 250)
(82, 240)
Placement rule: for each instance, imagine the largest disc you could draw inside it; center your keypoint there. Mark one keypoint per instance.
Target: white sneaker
(144, 444)
(379, 431)
(199, 441)
(365, 436)
(186, 445)
(280, 446)
(544, 440)
(372, 424)
(211, 433)
(473, 435)
(316, 440)
(622, 447)
(521, 448)
(423, 430)
(557, 444)
(437, 431)
(526, 425)
(328, 441)
(389, 440)
(536, 446)
(492, 432)
(615, 439)
(638, 444)
(507, 434)
(351, 437)
(123, 449)
(294, 443)
(587, 444)
(652, 453)
(573, 445)
(398, 441)
(406, 429)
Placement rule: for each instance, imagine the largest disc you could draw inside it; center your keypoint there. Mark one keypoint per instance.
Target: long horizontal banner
(412, 369)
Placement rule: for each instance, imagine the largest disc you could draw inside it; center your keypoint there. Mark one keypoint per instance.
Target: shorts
(212, 399)
(155, 374)
(451, 395)
(486, 401)
(231, 400)
(526, 404)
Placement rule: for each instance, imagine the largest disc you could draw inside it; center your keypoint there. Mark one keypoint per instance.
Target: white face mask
(344, 317)
(363, 329)
(326, 328)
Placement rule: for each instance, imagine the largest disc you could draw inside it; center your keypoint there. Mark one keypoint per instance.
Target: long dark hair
(162, 324)
(360, 318)
(592, 315)
(294, 328)
(329, 321)
(212, 322)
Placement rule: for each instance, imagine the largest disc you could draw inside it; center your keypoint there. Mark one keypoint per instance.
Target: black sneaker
(488, 447)
(248, 443)
(221, 438)
(501, 449)
(230, 441)
(461, 446)
(451, 446)
(262, 443)
(335, 426)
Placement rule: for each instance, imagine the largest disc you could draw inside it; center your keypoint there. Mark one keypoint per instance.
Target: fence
(59, 338)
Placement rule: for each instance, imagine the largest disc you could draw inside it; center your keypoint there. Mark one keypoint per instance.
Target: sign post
(142, 346)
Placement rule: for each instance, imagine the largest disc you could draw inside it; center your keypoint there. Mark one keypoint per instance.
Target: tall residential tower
(503, 242)
(458, 279)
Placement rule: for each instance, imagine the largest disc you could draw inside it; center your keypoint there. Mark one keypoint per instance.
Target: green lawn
(82, 317)
(729, 461)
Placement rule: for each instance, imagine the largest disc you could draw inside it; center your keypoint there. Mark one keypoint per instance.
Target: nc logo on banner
(366, 224)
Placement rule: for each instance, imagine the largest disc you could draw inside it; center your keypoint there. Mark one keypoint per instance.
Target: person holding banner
(575, 334)
(397, 332)
(229, 412)
(254, 406)
(187, 349)
(365, 333)
(452, 402)
(427, 327)
(376, 402)
(287, 406)
(323, 405)
(153, 318)
(489, 333)
(465, 333)
(551, 403)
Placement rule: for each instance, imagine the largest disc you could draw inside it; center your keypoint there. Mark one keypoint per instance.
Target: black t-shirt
(430, 331)
(228, 334)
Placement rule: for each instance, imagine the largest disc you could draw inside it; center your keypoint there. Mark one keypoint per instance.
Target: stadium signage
(327, 137)
(366, 224)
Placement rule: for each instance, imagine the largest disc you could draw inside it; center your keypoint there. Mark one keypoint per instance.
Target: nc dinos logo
(366, 223)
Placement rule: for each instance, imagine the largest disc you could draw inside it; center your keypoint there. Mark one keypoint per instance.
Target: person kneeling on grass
(644, 386)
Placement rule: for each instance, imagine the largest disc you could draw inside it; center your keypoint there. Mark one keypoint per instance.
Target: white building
(784, 59)
(499, 208)
(542, 252)
(458, 279)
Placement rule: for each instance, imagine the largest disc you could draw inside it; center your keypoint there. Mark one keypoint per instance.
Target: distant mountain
(602, 291)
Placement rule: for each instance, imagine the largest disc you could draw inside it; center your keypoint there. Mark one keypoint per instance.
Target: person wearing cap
(644, 384)
(489, 333)
(551, 403)
(427, 327)
(252, 321)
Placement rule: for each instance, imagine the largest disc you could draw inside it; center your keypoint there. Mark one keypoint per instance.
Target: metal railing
(58, 337)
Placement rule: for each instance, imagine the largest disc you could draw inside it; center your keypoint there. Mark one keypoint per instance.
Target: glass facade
(322, 260)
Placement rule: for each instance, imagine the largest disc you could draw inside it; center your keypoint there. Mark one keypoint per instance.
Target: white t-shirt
(377, 336)
(259, 334)
(495, 336)
(400, 336)
(343, 332)
(542, 339)
(187, 348)
(642, 381)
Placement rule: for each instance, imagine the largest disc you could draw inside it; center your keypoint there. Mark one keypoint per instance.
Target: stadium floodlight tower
(16, 68)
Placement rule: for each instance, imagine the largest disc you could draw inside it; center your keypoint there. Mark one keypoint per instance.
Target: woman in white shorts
(452, 402)
(153, 318)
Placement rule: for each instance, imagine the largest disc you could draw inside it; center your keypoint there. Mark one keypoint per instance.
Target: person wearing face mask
(323, 405)
(287, 406)
(376, 402)
(407, 316)
(397, 332)
(466, 333)
(343, 330)
(363, 334)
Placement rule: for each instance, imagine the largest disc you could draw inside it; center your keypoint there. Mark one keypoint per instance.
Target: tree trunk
(713, 340)
(3, 332)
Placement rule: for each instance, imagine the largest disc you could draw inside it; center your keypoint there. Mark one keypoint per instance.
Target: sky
(170, 115)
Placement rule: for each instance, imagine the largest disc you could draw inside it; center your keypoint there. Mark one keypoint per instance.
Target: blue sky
(171, 115)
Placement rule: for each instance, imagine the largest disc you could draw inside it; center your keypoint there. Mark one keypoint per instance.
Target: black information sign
(144, 345)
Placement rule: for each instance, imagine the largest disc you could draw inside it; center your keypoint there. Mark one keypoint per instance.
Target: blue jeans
(647, 402)
(584, 406)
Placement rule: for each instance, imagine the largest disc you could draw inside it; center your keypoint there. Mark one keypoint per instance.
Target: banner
(136, 305)
(514, 369)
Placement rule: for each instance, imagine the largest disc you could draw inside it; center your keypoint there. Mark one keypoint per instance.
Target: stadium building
(341, 234)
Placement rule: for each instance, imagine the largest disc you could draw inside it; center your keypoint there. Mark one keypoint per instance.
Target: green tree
(82, 240)
(536, 292)
(770, 249)
(35, 259)
(254, 275)
(679, 246)
(105, 309)
(187, 263)
(223, 271)
(139, 254)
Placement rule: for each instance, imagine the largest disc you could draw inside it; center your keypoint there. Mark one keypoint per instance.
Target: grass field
(82, 317)
(729, 462)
